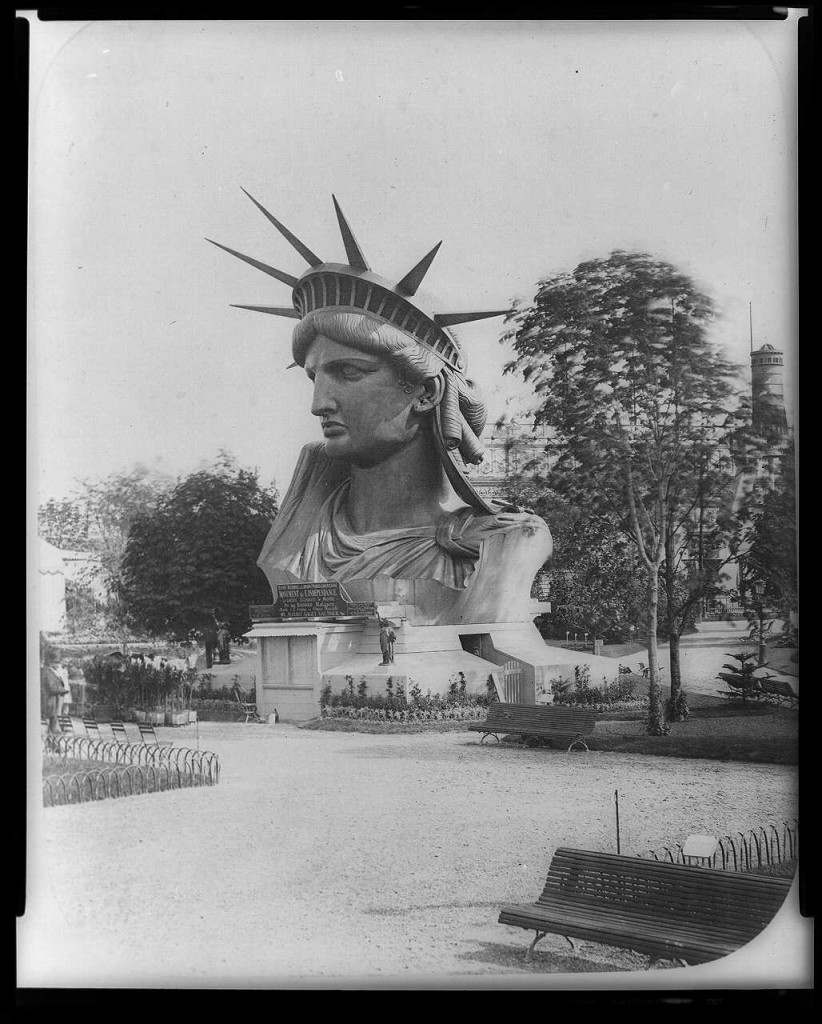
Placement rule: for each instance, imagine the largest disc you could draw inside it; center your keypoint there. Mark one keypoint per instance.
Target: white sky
(526, 146)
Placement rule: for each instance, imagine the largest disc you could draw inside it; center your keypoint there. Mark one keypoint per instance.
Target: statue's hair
(463, 407)
(370, 335)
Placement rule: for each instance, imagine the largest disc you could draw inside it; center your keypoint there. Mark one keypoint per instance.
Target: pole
(750, 321)
(616, 802)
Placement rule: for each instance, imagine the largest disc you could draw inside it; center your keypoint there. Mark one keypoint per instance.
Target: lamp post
(759, 589)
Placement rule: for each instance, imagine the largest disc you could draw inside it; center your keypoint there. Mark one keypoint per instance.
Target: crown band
(335, 287)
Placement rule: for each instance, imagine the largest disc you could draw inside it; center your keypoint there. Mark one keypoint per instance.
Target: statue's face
(364, 413)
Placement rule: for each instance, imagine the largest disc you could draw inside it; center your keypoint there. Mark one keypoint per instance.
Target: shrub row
(580, 693)
(454, 713)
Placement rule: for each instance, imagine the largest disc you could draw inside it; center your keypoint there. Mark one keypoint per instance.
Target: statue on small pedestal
(387, 638)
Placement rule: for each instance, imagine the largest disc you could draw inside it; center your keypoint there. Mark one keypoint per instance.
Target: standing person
(53, 688)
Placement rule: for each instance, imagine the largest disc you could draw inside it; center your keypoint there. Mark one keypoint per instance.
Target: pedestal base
(298, 659)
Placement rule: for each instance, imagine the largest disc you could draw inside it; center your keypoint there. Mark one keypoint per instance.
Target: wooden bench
(544, 720)
(667, 911)
(780, 691)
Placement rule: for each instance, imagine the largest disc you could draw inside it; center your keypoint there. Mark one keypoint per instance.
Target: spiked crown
(354, 287)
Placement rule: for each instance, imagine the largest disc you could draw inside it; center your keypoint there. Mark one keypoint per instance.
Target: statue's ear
(434, 388)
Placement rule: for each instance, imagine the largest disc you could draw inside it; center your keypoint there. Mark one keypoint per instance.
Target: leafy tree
(97, 520)
(112, 505)
(768, 540)
(619, 355)
(63, 523)
(191, 560)
(593, 572)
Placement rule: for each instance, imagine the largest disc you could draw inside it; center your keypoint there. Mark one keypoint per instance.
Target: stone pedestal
(298, 659)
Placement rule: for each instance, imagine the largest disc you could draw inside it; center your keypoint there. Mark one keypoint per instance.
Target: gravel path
(353, 858)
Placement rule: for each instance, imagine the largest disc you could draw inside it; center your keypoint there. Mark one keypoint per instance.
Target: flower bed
(456, 713)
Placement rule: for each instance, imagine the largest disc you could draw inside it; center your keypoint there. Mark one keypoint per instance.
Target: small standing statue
(223, 640)
(387, 638)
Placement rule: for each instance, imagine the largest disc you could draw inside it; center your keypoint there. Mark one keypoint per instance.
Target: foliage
(128, 683)
(63, 524)
(580, 693)
(191, 560)
(594, 582)
(619, 355)
(768, 543)
(740, 677)
(456, 704)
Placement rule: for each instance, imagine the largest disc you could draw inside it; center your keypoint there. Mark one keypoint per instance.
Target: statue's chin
(340, 449)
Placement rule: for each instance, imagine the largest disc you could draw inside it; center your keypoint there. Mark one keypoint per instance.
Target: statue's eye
(348, 372)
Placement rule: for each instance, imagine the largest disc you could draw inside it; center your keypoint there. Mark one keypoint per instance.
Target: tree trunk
(676, 669)
(651, 621)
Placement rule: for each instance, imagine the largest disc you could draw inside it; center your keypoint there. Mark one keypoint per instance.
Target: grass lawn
(715, 729)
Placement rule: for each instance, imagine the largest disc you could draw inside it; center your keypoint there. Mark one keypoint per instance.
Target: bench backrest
(719, 902)
(779, 686)
(540, 716)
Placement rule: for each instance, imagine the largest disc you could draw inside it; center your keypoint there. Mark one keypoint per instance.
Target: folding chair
(149, 736)
(92, 728)
(118, 731)
(246, 708)
(65, 723)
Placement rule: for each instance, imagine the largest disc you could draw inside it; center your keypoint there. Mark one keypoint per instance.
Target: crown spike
(279, 274)
(275, 310)
(449, 319)
(352, 250)
(302, 249)
(413, 279)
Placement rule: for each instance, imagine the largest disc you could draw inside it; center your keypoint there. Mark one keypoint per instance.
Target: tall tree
(619, 355)
(192, 558)
(97, 520)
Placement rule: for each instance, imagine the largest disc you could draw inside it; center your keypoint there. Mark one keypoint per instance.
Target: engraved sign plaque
(310, 601)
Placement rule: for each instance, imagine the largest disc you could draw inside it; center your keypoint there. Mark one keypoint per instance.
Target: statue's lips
(332, 429)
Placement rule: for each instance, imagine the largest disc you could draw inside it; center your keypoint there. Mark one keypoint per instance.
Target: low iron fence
(126, 769)
(764, 847)
(115, 781)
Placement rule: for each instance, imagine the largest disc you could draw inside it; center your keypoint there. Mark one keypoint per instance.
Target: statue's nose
(323, 400)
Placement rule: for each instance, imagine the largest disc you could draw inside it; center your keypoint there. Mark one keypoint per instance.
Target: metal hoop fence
(126, 769)
(765, 846)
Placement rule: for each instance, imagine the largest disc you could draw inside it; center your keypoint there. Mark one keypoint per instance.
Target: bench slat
(721, 924)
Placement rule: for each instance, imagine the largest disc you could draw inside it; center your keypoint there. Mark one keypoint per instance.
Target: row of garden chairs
(118, 730)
